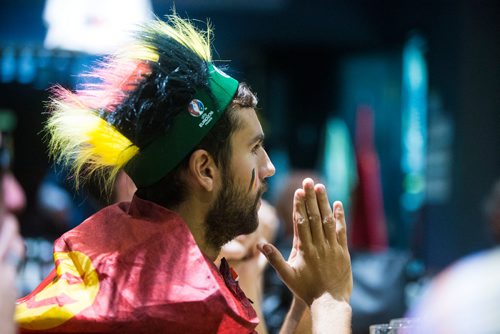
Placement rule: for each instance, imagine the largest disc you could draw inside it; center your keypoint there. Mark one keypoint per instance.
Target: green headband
(187, 130)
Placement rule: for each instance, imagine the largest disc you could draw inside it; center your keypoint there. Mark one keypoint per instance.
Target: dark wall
(477, 119)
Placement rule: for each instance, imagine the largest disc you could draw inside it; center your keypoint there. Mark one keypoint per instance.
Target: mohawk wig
(139, 115)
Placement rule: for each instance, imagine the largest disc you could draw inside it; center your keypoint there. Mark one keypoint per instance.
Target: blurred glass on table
(380, 329)
(396, 326)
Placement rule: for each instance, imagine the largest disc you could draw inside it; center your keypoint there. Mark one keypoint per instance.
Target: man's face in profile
(235, 210)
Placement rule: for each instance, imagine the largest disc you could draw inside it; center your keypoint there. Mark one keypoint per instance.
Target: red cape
(134, 268)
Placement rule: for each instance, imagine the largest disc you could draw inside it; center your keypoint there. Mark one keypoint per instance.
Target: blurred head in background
(12, 200)
(13, 196)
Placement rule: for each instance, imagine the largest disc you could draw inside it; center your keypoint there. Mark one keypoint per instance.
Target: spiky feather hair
(132, 99)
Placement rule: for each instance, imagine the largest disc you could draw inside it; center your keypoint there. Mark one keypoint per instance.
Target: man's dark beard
(233, 213)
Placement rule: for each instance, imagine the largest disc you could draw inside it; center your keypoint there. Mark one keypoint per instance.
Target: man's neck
(195, 219)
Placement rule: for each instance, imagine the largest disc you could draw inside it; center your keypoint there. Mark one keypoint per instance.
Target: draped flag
(134, 269)
(67, 291)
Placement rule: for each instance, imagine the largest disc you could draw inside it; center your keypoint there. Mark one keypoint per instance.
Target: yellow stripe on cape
(73, 290)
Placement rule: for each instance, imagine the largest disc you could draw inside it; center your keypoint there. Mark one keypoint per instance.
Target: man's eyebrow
(258, 138)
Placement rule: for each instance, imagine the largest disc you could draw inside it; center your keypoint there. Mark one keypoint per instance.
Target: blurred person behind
(465, 297)
(11, 250)
(12, 200)
(61, 207)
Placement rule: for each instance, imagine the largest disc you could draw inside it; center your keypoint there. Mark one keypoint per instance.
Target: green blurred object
(8, 120)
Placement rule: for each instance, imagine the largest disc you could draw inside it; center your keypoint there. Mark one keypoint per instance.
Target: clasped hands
(319, 262)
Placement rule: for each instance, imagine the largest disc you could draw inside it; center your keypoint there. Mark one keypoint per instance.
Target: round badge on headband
(187, 130)
(196, 108)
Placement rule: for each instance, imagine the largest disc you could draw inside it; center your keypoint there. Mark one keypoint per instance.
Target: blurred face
(14, 198)
(235, 209)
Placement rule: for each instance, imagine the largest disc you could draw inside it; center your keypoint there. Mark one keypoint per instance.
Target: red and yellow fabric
(134, 268)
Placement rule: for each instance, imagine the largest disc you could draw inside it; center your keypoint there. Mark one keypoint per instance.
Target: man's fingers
(300, 221)
(323, 204)
(341, 226)
(275, 258)
(327, 217)
(313, 213)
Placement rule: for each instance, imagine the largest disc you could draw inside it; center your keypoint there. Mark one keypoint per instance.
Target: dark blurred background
(428, 73)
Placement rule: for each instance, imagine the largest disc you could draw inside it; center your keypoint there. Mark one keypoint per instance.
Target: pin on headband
(187, 130)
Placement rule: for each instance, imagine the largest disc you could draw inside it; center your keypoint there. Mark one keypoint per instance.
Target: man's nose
(269, 168)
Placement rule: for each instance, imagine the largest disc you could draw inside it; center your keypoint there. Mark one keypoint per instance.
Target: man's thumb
(275, 258)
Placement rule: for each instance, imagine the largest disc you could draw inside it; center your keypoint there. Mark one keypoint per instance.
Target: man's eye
(256, 148)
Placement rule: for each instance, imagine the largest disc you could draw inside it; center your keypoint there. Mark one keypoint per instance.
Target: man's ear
(203, 169)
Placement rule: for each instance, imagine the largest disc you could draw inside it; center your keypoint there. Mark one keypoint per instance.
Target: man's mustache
(263, 188)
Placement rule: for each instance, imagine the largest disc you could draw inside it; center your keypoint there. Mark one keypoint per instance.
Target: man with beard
(189, 137)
